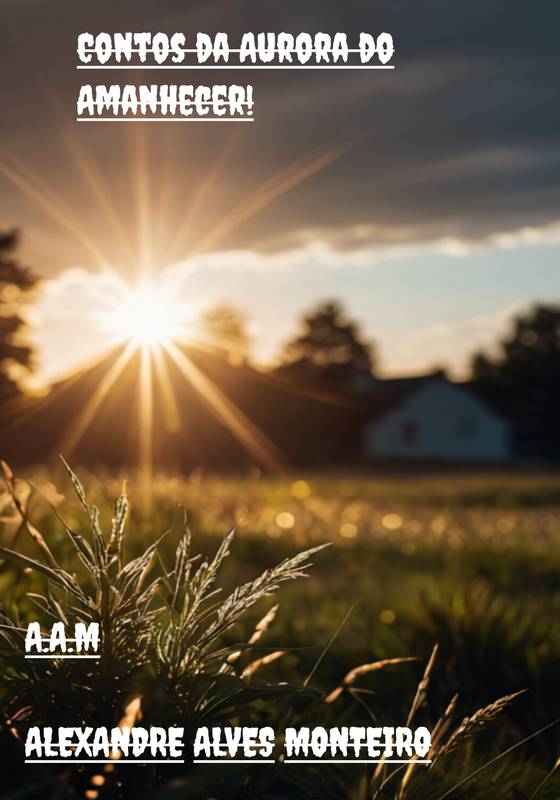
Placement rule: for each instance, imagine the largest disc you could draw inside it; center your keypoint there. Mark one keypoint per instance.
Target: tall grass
(175, 650)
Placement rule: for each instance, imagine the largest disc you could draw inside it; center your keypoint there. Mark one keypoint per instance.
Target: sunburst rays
(248, 434)
(77, 427)
(35, 189)
(144, 246)
(146, 421)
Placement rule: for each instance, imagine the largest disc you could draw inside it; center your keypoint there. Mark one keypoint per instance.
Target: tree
(523, 380)
(225, 328)
(15, 281)
(329, 347)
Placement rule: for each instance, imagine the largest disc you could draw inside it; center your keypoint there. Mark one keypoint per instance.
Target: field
(468, 562)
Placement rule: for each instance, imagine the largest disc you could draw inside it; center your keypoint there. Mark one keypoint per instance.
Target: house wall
(439, 421)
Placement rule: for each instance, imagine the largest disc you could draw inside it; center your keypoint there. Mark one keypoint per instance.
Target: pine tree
(15, 281)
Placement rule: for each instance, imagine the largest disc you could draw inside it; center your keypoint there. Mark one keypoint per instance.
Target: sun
(147, 316)
(150, 321)
(147, 319)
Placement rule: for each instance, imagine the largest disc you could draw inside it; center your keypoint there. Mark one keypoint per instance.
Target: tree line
(521, 380)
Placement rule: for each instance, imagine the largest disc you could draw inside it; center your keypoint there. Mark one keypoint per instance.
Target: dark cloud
(461, 141)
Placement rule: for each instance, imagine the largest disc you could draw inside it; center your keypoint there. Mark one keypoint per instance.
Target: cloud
(68, 332)
(452, 344)
(457, 146)
(365, 246)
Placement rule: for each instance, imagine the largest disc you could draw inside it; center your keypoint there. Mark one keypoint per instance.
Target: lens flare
(147, 316)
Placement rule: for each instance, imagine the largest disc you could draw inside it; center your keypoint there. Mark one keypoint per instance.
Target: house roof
(382, 395)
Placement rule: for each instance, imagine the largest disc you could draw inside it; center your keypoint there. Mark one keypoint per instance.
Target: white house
(432, 418)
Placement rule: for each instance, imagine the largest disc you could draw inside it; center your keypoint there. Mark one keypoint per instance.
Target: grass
(468, 562)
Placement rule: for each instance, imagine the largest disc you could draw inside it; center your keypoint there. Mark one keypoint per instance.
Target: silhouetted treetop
(15, 281)
(225, 328)
(329, 337)
(523, 379)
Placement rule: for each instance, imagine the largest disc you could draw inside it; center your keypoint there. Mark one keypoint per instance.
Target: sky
(427, 198)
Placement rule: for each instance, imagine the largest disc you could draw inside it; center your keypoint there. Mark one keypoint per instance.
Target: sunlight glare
(146, 316)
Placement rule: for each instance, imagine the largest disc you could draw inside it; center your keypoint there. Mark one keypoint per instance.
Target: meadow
(465, 561)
